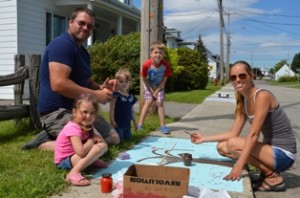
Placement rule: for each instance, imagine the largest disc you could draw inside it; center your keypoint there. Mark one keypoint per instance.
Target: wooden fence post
(34, 68)
(19, 88)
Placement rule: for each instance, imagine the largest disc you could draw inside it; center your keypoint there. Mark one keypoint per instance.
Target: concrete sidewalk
(213, 116)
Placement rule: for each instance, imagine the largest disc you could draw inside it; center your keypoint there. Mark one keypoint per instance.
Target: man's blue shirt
(62, 49)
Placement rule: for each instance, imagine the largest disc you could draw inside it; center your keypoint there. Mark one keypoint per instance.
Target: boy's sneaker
(140, 127)
(165, 130)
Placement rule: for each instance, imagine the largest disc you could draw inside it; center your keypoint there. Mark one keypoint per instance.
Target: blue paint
(201, 175)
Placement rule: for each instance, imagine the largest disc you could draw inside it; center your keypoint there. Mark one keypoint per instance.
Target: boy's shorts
(148, 96)
(282, 160)
(55, 121)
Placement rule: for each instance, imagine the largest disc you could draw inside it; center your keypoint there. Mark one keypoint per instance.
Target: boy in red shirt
(155, 72)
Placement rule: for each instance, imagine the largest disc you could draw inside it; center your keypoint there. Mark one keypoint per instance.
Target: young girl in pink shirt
(76, 146)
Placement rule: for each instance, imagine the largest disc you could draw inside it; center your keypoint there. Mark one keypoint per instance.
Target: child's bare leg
(161, 112)
(80, 164)
(144, 112)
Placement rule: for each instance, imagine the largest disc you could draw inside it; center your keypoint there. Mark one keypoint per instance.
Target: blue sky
(262, 32)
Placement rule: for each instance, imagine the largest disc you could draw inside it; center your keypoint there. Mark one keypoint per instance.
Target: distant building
(173, 38)
(285, 70)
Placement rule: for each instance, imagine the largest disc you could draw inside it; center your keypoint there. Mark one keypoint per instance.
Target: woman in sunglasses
(276, 153)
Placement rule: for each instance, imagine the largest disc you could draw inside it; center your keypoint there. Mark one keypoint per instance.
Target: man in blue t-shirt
(65, 74)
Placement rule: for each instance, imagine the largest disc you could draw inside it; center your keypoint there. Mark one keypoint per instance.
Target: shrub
(118, 51)
(288, 79)
(190, 72)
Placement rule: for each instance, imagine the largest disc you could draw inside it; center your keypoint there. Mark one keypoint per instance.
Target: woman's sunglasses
(241, 76)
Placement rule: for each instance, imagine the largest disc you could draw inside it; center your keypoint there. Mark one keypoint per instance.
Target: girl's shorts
(282, 160)
(65, 164)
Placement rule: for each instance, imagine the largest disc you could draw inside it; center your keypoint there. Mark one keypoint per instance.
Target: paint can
(187, 159)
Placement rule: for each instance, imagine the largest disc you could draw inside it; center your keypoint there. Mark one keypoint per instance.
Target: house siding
(31, 28)
(22, 30)
(8, 42)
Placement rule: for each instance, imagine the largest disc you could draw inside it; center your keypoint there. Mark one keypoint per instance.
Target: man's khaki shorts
(54, 122)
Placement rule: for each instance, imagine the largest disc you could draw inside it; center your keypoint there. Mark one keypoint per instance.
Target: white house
(213, 65)
(27, 26)
(284, 71)
(173, 38)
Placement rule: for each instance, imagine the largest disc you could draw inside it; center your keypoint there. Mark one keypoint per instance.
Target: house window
(55, 25)
(127, 2)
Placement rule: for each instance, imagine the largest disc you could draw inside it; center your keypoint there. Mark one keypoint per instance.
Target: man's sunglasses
(241, 76)
(83, 23)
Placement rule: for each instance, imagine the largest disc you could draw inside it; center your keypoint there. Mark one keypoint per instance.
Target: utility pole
(228, 43)
(152, 29)
(221, 42)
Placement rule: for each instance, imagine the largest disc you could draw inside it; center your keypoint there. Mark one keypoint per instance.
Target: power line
(190, 13)
(266, 24)
(265, 14)
(275, 23)
(197, 25)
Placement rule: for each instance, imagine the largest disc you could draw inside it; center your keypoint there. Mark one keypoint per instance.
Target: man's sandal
(77, 179)
(266, 186)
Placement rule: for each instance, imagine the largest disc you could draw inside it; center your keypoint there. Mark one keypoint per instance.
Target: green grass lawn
(26, 174)
(193, 96)
(295, 85)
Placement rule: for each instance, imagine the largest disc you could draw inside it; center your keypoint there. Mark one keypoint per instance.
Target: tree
(257, 72)
(296, 62)
(202, 50)
(195, 72)
(271, 71)
(279, 65)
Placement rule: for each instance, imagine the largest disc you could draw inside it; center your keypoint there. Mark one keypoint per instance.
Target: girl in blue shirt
(121, 106)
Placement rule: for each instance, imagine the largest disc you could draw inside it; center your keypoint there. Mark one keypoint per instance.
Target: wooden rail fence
(19, 109)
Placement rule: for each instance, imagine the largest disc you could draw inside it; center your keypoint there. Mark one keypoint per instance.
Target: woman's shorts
(282, 161)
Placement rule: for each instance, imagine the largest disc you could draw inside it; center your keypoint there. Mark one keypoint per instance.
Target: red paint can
(106, 183)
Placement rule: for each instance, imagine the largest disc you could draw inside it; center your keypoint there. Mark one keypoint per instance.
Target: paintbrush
(169, 151)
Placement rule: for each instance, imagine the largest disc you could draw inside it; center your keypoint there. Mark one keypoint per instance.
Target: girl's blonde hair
(240, 106)
(88, 98)
(123, 72)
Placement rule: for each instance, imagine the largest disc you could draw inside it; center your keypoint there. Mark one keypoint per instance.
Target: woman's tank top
(276, 129)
